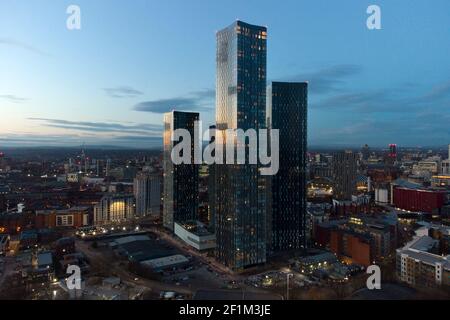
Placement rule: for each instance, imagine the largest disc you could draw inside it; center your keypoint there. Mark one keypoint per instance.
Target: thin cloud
(202, 100)
(22, 45)
(122, 92)
(86, 126)
(12, 98)
(73, 140)
(326, 80)
(392, 100)
(438, 92)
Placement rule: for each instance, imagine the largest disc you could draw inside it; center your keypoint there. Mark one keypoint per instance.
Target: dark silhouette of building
(212, 185)
(2, 203)
(392, 154)
(287, 112)
(365, 152)
(344, 174)
(180, 192)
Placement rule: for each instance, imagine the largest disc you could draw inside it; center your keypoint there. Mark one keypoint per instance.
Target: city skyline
(324, 175)
(382, 86)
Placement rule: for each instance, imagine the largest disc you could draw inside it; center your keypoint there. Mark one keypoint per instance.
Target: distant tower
(393, 151)
(344, 174)
(147, 191)
(97, 167)
(365, 152)
(108, 167)
(86, 165)
(392, 154)
(2, 161)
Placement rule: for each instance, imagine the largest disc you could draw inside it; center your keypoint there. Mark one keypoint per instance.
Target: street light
(288, 275)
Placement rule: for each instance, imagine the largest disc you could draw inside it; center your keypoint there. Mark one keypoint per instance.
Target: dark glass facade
(287, 112)
(212, 187)
(180, 191)
(240, 197)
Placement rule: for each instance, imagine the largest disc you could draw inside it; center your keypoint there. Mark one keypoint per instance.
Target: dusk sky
(110, 82)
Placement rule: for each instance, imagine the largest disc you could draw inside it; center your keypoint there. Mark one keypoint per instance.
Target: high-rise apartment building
(287, 112)
(344, 174)
(365, 151)
(241, 199)
(212, 187)
(147, 191)
(180, 190)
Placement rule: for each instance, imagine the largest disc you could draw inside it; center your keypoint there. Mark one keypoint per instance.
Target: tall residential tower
(147, 191)
(241, 204)
(287, 112)
(345, 170)
(180, 191)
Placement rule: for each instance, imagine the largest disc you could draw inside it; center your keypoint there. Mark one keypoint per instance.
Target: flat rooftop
(195, 227)
(166, 261)
(45, 259)
(418, 249)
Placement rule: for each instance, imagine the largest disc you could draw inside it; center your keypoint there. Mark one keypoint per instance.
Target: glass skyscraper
(180, 191)
(287, 111)
(240, 195)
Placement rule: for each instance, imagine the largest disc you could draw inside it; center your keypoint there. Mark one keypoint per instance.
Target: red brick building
(351, 247)
(356, 240)
(75, 217)
(419, 200)
(14, 223)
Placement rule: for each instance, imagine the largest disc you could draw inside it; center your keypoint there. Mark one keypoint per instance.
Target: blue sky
(109, 82)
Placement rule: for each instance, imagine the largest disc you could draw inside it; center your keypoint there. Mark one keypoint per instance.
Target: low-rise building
(114, 208)
(360, 240)
(73, 177)
(42, 269)
(416, 198)
(195, 234)
(166, 263)
(309, 264)
(75, 217)
(440, 181)
(418, 265)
